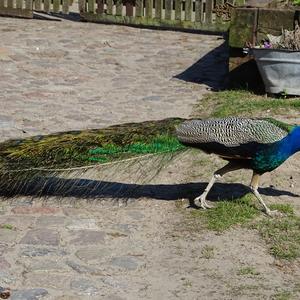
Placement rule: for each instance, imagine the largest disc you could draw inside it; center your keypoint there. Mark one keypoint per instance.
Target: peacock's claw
(273, 213)
(201, 202)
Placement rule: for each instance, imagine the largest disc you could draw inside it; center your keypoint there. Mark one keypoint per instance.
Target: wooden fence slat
(209, 5)
(109, 7)
(129, 8)
(10, 3)
(178, 9)
(158, 9)
(219, 18)
(65, 6)
(199, 11)
(168, 9)
(119, 8)
(56, 6)
(149, 8)
(47, 5)
(19, 4)
(28, 4)
(37, 5)
(188, 10)
(139, 8)
(100, 6)
(1, 3)
(91, 6)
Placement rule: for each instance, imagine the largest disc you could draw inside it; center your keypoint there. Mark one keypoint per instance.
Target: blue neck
(291, 143)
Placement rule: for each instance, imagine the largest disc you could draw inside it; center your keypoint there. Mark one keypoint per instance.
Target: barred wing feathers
(231, 137)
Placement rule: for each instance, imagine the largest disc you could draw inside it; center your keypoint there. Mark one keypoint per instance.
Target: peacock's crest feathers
(231, 131)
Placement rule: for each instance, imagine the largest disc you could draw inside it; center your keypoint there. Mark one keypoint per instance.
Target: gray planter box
(279, 69)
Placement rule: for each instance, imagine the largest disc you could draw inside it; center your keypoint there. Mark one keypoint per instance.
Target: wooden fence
(54, 6)
(17, 8)
(187, 14)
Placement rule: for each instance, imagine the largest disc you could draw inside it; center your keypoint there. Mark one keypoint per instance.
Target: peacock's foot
(273, 213)
(201, 202)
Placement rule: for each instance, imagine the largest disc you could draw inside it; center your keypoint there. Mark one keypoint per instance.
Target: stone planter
(279, 69)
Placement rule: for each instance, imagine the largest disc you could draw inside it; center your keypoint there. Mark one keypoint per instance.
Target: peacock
(45, 164)
(261, 145)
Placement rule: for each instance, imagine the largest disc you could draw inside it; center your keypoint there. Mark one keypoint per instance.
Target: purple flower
(267, 45)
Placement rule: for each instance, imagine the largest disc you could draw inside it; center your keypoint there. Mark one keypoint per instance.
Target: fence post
(149, 8)
(158, 9)
(139, 9)
(168, 9)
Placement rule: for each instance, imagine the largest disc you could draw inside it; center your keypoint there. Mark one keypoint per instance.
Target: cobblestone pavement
(68, 75)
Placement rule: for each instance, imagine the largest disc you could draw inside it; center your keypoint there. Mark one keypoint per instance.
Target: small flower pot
(279, 69)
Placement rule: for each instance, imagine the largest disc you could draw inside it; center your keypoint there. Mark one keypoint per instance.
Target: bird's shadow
(94, 189)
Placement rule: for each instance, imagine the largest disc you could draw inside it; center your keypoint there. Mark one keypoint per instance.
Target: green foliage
(247, 271)
(296, 2)
(242, 103)
(208, 252)
(7, 226)
(282, 235)
(284, 208)
(228, 213)
(285, 295)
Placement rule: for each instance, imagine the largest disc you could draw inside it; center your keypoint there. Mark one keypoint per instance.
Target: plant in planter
(278, 61)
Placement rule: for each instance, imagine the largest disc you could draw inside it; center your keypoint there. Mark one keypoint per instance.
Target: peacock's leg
(231, 166)
(254, 188)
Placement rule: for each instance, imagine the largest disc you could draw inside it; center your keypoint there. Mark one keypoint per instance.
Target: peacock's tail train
(59, 164)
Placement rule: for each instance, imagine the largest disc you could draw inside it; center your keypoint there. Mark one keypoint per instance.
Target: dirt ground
(67, 75)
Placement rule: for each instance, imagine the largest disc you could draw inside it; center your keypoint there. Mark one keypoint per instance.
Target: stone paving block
(113, 297)
(47, 280)
(7, 278)
(50, 221)
(41, 237)
(71, 212)
(125, 262)
(88, 237)
(22, 210)
(4, 264)
(82, 269)
(36, 252)
(17, 222)
(3, 248)
(136, 215)
(81, 224)
(31, 294)
(88, 254)
(84, 287)
(44, 266)
(8, 236)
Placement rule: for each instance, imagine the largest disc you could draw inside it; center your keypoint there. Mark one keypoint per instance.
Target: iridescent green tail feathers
(29, 165)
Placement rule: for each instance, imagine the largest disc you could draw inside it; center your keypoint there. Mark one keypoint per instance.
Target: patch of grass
(7, 226)
(282, 236)
(285, 295)
(208, 252)
(247, 271)
(242, 103)
(284, 208)
(187, 283)
(228, 213)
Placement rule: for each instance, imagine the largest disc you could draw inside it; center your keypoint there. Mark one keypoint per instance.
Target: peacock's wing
(231, 137)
